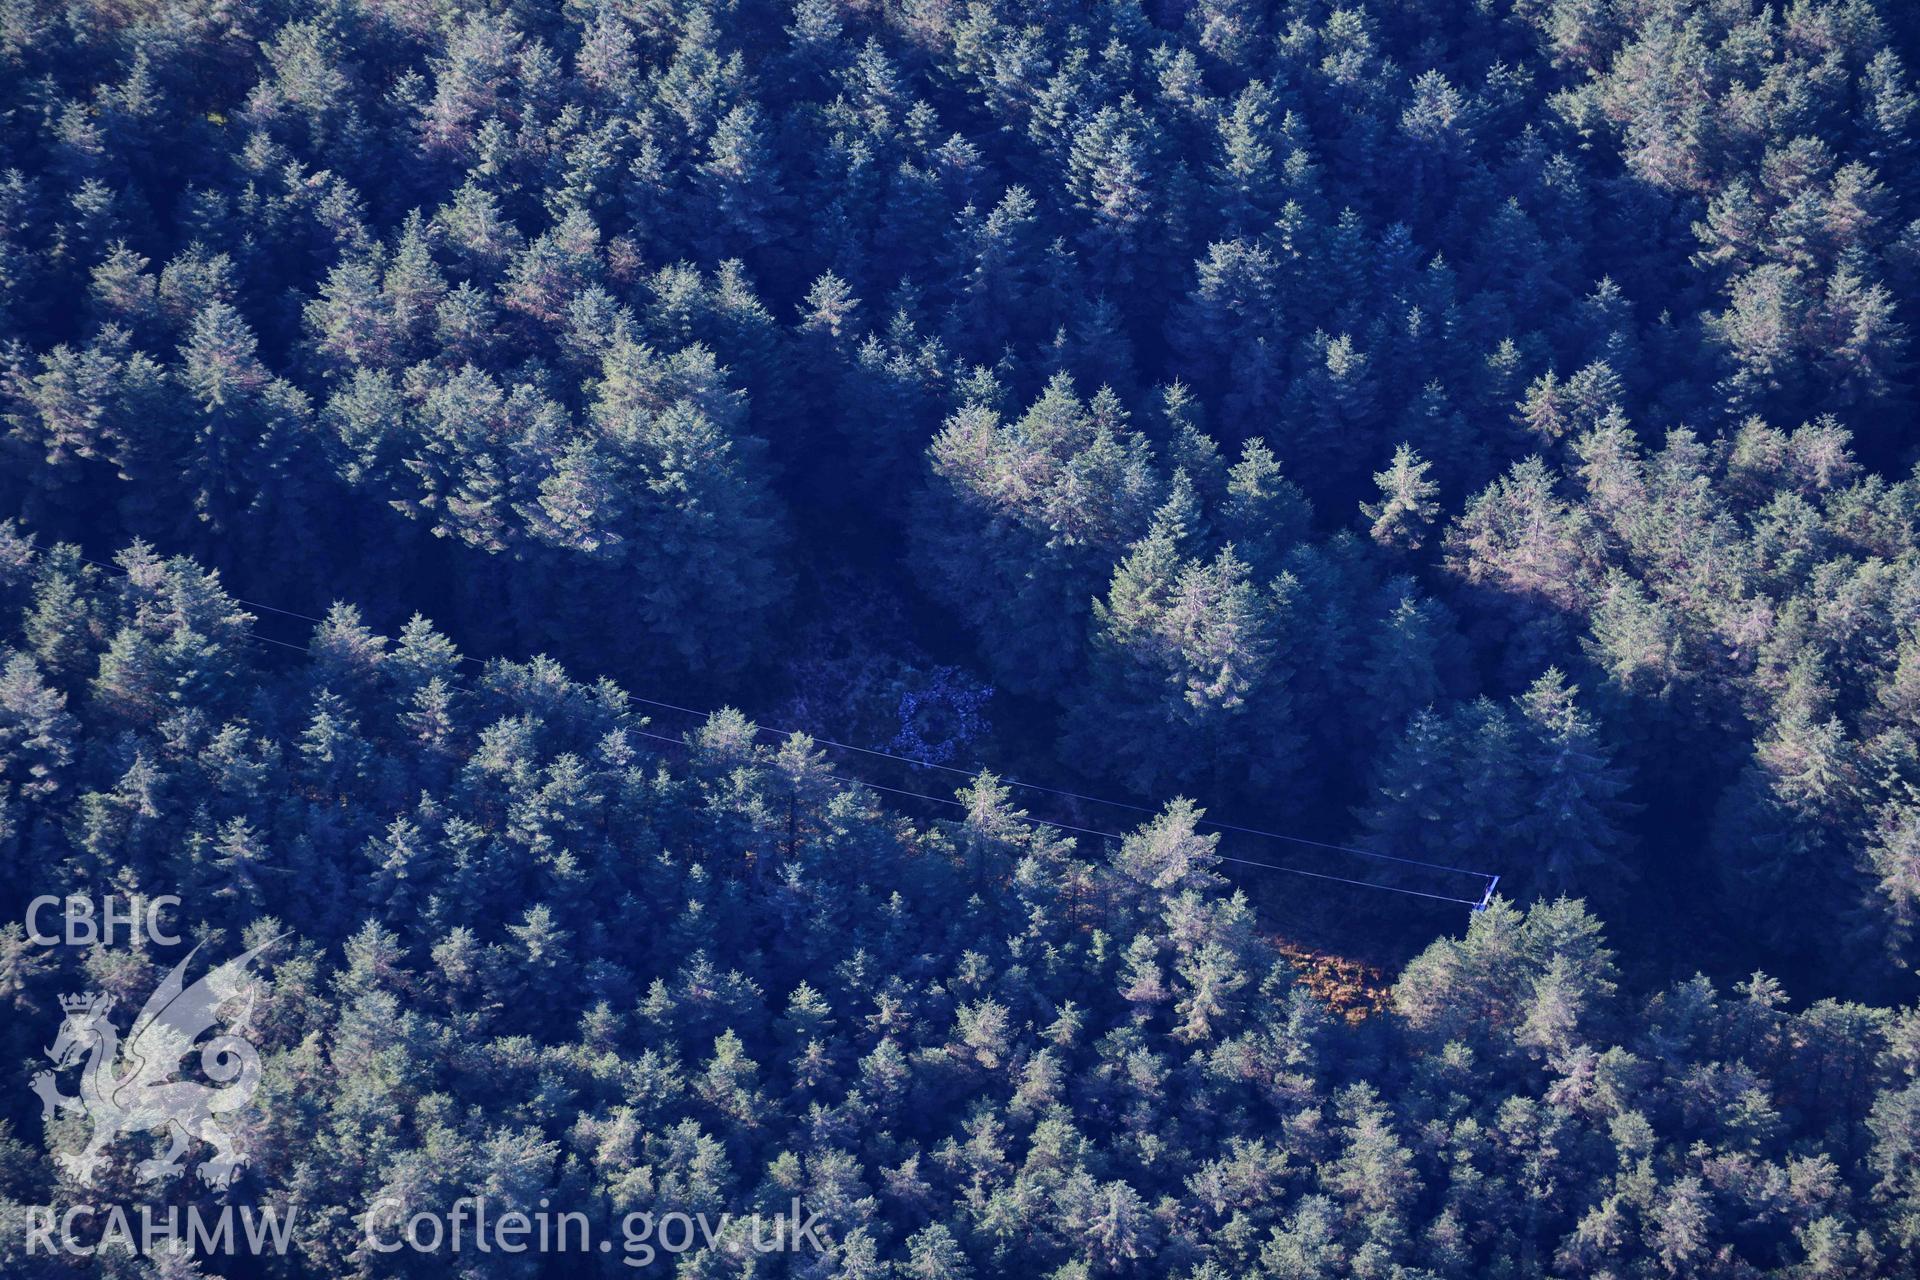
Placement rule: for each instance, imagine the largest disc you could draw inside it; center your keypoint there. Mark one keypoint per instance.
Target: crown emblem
(87, 1002)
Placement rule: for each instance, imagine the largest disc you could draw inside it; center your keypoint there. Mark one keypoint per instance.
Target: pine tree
(1110, 177)
(1167, 854)
(36, 733)
(1033, 507)
(351, 323)
(1404, 655)
(1406, 510)
(1183, 684)
(738, 177)
(1245, 175)
(247, 426)
(1576, 804)
(934, 1254)
(1264, 514)
(829, 308)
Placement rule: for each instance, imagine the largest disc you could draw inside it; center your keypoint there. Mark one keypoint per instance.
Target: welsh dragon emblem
(131, 1087)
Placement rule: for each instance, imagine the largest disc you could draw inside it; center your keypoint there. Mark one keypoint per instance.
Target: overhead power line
(1477, 904)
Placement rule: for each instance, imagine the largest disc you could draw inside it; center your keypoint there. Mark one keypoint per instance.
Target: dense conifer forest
(940, 611)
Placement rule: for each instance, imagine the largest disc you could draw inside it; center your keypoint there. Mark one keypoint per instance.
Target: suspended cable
(1488, 877)
(1109, 835)
(1476, 904)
